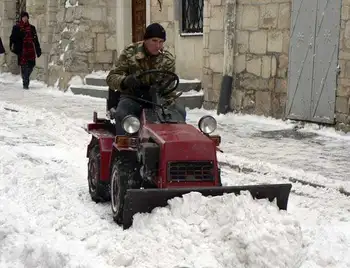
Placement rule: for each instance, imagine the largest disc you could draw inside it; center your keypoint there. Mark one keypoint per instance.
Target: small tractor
(158, 157)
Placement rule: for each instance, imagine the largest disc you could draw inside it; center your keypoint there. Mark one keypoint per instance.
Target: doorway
(313, 60)
(139, 20)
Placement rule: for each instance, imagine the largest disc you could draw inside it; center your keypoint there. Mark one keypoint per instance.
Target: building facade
(291, 57)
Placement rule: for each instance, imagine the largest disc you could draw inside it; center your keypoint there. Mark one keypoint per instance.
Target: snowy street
(47, 218)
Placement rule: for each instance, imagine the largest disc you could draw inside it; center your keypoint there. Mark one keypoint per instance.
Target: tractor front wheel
(99, 192)
(124, 176)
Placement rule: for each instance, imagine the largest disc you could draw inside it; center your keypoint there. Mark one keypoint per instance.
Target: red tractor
(158, 158)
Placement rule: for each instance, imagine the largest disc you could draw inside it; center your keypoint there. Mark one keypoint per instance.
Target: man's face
(154, 45)
(25, 19)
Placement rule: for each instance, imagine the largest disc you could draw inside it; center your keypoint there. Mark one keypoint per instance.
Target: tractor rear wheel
(125, 175)
(99, 191)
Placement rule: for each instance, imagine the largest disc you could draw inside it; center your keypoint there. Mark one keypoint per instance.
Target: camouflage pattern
(134, 60)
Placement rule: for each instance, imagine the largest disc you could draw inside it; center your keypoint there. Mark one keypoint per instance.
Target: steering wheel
(166, 78)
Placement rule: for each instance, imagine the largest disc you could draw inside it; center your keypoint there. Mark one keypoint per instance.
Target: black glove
(131, 82)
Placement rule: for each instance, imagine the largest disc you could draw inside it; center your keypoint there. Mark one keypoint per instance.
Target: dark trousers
(128, 106)
(26, 71)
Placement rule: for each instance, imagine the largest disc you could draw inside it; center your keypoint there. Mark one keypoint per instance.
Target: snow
(192, 93)
(69, 3)
(183, 81)
(76, 81)
(85, 86)
(47, 218)
(97, 75)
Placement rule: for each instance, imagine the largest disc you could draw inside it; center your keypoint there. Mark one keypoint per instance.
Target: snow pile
(23, 243)
(212, 232)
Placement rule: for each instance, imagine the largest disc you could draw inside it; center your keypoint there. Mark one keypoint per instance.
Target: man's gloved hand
(131, 82)
(171, 98)
(169, 102)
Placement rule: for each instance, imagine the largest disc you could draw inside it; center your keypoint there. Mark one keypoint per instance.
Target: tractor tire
(125, 175)
(99, 192)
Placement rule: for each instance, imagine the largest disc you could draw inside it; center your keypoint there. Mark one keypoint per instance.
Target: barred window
(192, 16)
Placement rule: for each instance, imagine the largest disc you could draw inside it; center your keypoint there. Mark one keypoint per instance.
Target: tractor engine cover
(149, 159)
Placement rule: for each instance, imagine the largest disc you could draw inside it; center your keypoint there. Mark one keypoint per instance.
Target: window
(192, 16)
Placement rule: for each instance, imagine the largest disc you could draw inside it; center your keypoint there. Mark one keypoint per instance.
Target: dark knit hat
(155, 30)
(24, 14)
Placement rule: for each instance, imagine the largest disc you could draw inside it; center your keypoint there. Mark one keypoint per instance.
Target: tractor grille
(191, 171)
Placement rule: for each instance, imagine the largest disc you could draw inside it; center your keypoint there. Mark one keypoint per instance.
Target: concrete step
(94, 81)
(184, 85)
(191, 99)
(88, 90)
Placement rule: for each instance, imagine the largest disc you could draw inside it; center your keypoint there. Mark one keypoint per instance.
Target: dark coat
(16, 42)
(2, 49)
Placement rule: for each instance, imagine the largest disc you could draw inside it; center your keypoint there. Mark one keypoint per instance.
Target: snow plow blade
(145, 200)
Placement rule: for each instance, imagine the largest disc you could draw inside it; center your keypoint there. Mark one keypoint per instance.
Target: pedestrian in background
(25, 44)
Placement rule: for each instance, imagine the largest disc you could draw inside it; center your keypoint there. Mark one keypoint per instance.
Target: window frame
(185, 31)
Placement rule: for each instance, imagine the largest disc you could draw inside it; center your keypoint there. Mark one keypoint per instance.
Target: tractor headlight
(131, 124)
(207, 124)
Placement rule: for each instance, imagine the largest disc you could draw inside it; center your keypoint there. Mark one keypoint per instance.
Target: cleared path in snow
(51, 214)
(318, 156)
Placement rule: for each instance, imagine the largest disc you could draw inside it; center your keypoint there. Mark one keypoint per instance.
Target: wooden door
(313, 60)
(138, 19)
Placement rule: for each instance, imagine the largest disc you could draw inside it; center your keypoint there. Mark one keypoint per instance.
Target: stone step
(184, 85)
(94, 81)
(190, 99)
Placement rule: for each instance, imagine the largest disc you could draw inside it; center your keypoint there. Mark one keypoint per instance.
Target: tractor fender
(105, 143)
(118, 151)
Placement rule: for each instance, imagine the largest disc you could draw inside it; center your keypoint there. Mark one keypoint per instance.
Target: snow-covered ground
(47, 218)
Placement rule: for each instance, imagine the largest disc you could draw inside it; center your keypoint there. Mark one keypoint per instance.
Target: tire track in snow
(242, 169)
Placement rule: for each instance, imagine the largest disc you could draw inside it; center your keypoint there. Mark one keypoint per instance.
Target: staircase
(95, 86)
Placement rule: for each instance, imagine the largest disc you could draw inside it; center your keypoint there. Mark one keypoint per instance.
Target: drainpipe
(229, 57)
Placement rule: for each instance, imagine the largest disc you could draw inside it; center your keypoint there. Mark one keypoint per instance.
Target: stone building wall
(83, 40)
(77, 37)
(8, 61)
(188, 49)
(261, 57)
(343, 90)
(42, 16)
(213, 50)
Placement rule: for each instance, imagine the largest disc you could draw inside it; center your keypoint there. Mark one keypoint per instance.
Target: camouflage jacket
(134, 60)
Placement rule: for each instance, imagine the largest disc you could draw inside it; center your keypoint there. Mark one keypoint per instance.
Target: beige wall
(83, 40)
(75, 40)
(8, 61)
(261, 56)
(343, 90)
(187, 49)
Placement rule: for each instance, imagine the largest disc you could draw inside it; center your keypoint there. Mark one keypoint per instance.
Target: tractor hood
(182, 142)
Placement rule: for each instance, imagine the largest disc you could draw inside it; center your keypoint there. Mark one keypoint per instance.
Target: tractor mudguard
(145, 200)
(105, 141)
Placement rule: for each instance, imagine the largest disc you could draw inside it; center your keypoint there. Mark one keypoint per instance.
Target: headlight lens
(207, 124)
(131, 124)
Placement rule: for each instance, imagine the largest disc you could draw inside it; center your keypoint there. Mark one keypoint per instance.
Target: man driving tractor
(134, 59)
